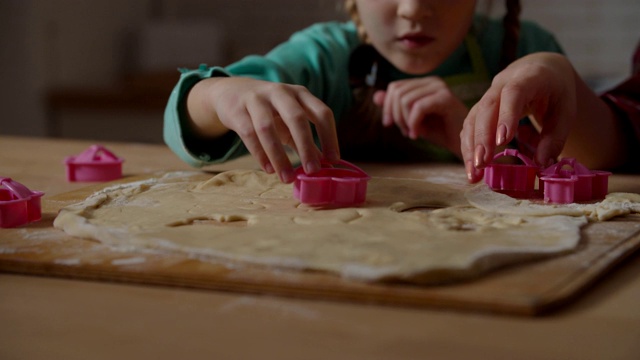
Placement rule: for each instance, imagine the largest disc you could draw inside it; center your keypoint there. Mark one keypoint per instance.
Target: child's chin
(413, 66)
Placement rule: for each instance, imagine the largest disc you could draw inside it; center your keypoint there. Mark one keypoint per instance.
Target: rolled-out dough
(252, 217)
(615, 204)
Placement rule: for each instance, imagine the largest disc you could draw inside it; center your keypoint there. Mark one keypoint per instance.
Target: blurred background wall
(102, 69)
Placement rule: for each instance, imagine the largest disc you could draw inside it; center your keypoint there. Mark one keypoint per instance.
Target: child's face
(416, 36)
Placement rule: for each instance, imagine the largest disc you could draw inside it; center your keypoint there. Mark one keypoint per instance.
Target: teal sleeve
(181, 140)
(316, 58)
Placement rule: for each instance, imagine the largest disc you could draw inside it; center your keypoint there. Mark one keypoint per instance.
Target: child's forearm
(596, 139)
(202, 115)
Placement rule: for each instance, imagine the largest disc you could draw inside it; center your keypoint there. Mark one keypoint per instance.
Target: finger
(298, 128)
(388, 115)
(393, 107)
(424, 105)
(486, 117)
(407, 95)
(247, 134)
(514, 99)
(419, 103)
(387, 108)
(322, 117)
(549, 148)
(467, 136)
(419, 111)
(262, 118)
(411, 92)
(554, 134)
(378, 97)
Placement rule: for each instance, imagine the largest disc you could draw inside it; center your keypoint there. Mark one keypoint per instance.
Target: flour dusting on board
(283, 309)
(180, 174)
(42, 235)
(129, 261)
(447, 177)
(67, 262)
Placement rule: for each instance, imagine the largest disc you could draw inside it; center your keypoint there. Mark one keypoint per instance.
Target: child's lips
(415, 41)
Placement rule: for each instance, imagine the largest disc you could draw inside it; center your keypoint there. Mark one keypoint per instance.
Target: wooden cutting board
(531, 288)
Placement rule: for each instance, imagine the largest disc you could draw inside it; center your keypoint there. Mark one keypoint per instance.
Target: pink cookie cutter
(569, 181)
(18, 204)
(94, 164)
(337, 186)
(516, 180)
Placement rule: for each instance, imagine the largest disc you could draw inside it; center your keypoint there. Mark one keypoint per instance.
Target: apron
(361, 134)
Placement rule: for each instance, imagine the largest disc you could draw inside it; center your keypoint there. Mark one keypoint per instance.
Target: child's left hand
(423, 107)
(540, 85)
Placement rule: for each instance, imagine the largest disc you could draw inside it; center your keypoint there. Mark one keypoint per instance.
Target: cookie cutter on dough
(18, 204)
(341, 184)
(96, 163)
(516, 180)
(569, 181)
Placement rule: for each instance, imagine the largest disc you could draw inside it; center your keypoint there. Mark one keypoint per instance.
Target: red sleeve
(624, 99)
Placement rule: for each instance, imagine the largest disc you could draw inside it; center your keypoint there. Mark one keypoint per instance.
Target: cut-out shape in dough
(209, 221)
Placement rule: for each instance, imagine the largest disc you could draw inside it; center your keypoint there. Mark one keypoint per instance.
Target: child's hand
(541, 85)
(423, 107)
(267, 116)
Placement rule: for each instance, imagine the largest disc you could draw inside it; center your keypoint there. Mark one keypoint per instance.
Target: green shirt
(318, 58)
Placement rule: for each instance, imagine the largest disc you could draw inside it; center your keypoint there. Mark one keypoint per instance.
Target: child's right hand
(266, 116)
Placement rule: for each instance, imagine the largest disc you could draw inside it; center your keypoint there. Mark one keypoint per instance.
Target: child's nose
(414, 9)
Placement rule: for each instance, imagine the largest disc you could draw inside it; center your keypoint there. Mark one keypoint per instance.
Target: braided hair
(511, 24)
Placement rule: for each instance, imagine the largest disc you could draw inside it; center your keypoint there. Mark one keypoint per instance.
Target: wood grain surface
(56, 317)
(531, 288)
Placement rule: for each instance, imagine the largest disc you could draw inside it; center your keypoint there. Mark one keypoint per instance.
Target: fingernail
(386, 120)
(268, 168)
(469, 167)
(333, 156)
(501, 136)
(286, 176)
(478, 157)
(312, 167)
(549, 163)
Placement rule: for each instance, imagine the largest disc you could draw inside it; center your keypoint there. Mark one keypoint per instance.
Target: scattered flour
(68, 262)
(129, 261)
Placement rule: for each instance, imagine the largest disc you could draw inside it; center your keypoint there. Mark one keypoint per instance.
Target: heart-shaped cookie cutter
(18, 204)
(96, 163)
(341, 184)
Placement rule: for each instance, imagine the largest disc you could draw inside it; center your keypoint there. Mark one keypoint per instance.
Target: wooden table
(48, 318)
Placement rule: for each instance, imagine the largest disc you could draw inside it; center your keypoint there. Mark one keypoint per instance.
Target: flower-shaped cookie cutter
(96, 163)
(342, 184)
(18, 204)
(516, 180)
(569, 181)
